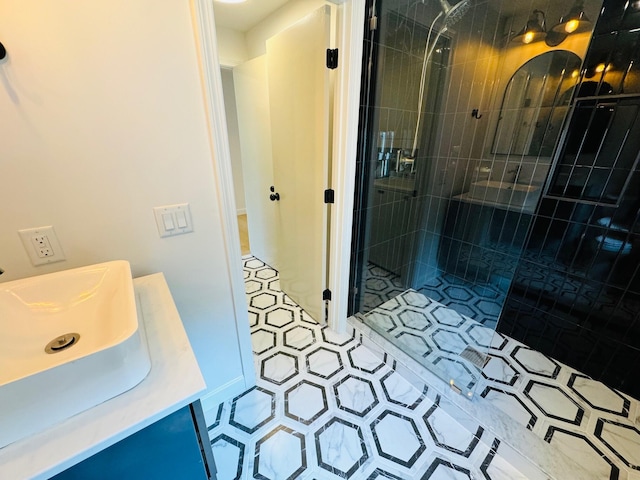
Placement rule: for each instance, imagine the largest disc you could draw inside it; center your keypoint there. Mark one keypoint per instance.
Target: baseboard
(241, 211)
(223, 393)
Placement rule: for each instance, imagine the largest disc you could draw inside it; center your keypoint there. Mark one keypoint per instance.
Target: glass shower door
(404, 196)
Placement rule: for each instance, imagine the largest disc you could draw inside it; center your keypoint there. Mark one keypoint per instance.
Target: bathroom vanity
(392, 198)
(154, 430)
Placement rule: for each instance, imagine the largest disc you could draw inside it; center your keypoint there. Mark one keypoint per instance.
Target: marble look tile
(442, 469)
(535, 362)
(481, 336)
(305, 402)
(392, 445)
(299, 337)
(623, 440)
(397, 438)
(554, 402)
(252, 409)
(280, 454)
(382, 321)
(500, 469)
(262, 340)
(335, 338)
(361, 358)
(415, 299)
(599, 396)
(510, 404)
(462, 375)
(323, 362)
(228, 453)
(448, 341)
(497, 369)
(340, 447)
(399, 391)
(504, 463)
(412, 319)
(279, 368)
(414, 344)
(449, 434)
(355, 395)
(577, 446)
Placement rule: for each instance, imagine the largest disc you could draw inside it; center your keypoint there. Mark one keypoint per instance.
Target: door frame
(344, 149)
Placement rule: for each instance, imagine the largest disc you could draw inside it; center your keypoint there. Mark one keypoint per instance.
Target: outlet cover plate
(30, 245)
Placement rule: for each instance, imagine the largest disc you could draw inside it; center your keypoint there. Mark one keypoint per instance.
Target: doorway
(278, 116)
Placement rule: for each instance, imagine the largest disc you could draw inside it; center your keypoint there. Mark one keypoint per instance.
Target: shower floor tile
(579, 416)
(325, 406)
(481, 302)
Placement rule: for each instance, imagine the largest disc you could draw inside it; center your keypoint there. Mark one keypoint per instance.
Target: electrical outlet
(41, 245)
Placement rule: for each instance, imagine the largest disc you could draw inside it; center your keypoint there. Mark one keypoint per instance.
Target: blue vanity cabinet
(174, 447)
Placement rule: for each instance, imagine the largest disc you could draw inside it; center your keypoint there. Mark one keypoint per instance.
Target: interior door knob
(274, 197)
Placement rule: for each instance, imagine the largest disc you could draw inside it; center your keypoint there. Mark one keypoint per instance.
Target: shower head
(454, 13)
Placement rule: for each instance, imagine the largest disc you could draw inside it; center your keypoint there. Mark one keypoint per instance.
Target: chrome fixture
(454, 13)
(516, 173)
(451, 15)
(62, 342)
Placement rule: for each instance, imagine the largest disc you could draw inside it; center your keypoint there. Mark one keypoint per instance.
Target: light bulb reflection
(571, 26)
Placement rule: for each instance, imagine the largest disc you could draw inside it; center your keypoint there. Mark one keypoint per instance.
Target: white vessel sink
(107, 357)
(513, 194)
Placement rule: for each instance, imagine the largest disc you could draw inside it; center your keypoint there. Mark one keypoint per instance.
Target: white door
(254, 125)
(299, 99)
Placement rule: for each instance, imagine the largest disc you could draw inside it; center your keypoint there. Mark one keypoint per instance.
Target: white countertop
(173, 382)
(465, 197)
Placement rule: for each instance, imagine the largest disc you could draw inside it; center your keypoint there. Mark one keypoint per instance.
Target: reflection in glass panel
(528, 124)
(446, 190)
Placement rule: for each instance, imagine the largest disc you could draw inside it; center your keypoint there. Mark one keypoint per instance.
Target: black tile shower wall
(576, 291)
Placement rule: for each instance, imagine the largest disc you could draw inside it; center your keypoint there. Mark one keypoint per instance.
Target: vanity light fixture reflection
(575, 21)
(535, 29)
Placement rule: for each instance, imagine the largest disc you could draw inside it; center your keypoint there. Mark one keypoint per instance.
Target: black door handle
(274, 197)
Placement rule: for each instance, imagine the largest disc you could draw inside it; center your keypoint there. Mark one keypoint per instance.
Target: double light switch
(173, 219)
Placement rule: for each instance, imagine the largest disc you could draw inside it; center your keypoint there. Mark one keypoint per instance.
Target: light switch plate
(42, 245)
(173, 220)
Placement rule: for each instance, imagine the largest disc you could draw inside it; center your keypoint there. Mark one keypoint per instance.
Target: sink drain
(62, 342)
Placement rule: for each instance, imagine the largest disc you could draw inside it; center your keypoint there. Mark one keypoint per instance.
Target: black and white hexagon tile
(578, 416)
(325, 407)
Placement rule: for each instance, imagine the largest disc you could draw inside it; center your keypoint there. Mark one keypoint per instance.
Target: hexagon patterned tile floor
(481, 302)
(326, 407)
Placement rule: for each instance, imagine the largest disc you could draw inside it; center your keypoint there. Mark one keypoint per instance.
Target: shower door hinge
(332, 58)
(326, 295)
(329, 196)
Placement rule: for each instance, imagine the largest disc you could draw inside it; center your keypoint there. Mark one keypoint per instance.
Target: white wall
(288, 14)
(234, 139)
(102, 118)
(232, 46)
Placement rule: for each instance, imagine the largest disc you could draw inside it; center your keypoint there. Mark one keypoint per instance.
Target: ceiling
(244, 16)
